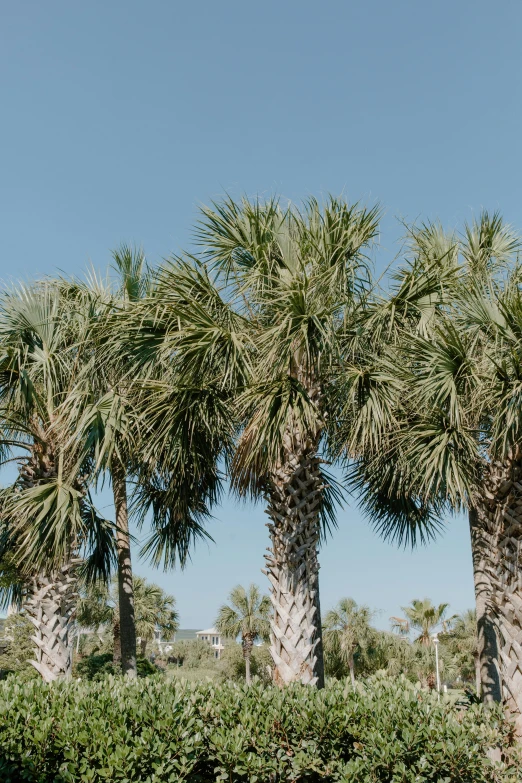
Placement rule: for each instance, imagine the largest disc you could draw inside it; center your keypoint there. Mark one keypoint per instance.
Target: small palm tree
(350, 626)
(422, 616)
(463, 643)
(247, 616)
(153, 609)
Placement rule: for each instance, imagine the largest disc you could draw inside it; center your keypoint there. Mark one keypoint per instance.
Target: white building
(212, 637)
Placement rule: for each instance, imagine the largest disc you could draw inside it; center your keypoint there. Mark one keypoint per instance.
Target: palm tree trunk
(478, 679)
(481, 523)
(50, 606)
(143, 645)
(351, 666)
(247, 643)
(50, 601)
(116, 649)
(318, 638)
(294, 499)
(125, 588)
(500, 528)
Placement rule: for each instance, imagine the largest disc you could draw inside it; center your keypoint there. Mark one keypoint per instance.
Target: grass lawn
(191, 675)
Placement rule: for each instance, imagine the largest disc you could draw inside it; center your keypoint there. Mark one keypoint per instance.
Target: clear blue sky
(118, 118)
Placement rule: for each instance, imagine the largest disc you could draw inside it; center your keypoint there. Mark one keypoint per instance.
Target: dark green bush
(155, 731)
(145, 668)
(96, 667)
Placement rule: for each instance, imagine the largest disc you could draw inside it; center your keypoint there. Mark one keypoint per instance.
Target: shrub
(232, 663)
(96, 667)
(19, 648)
(193, 653)
(164, 732)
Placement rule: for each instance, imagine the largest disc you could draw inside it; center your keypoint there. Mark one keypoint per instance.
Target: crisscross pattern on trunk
(50, 599)
(49, 606)
(294, 498)
(501, 531)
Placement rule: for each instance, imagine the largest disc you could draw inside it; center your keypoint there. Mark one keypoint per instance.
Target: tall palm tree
(451, 443)
(424, 617)
(351, 627)
(49, 529)
(99, 412)
(259, 332)
(247, 615)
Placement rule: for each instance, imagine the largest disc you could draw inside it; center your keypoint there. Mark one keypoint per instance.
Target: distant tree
(424, 617)
(462, 642)
(232, 664)
(348, 630)
(247, 616)
(153, 608)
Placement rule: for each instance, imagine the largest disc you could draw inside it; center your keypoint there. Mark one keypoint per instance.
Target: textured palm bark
(50, 605)
(351, 666)
(478, 678)
(294, 494)
(247, 643)
(500, 523)
(116, 643)
(50, 598)
(483, 548)
(127, 623)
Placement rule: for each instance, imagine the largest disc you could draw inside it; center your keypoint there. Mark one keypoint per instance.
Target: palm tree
(49, 531)
(99, 414)
(463, 643)
(424, 617)
(452, 439)
(247, 615)
(117, 410)
(257, 336)
(351, 629)
(154, 610)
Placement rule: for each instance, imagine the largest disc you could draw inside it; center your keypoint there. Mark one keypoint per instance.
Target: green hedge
(153, 731)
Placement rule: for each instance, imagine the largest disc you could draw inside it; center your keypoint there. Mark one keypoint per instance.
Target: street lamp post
(436, 643)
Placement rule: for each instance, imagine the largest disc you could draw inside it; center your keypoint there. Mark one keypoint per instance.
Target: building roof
(209, 632)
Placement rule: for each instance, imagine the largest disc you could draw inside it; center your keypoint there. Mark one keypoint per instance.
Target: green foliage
(348, 632)
(145, 668)
(231, 665)
(95, 667)
(395, 655)
(19, 648)
(422, 616)
(98, 667)
(149, 730)
(153, 608)
(247, 614)
(461, 642)
(193, 654)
